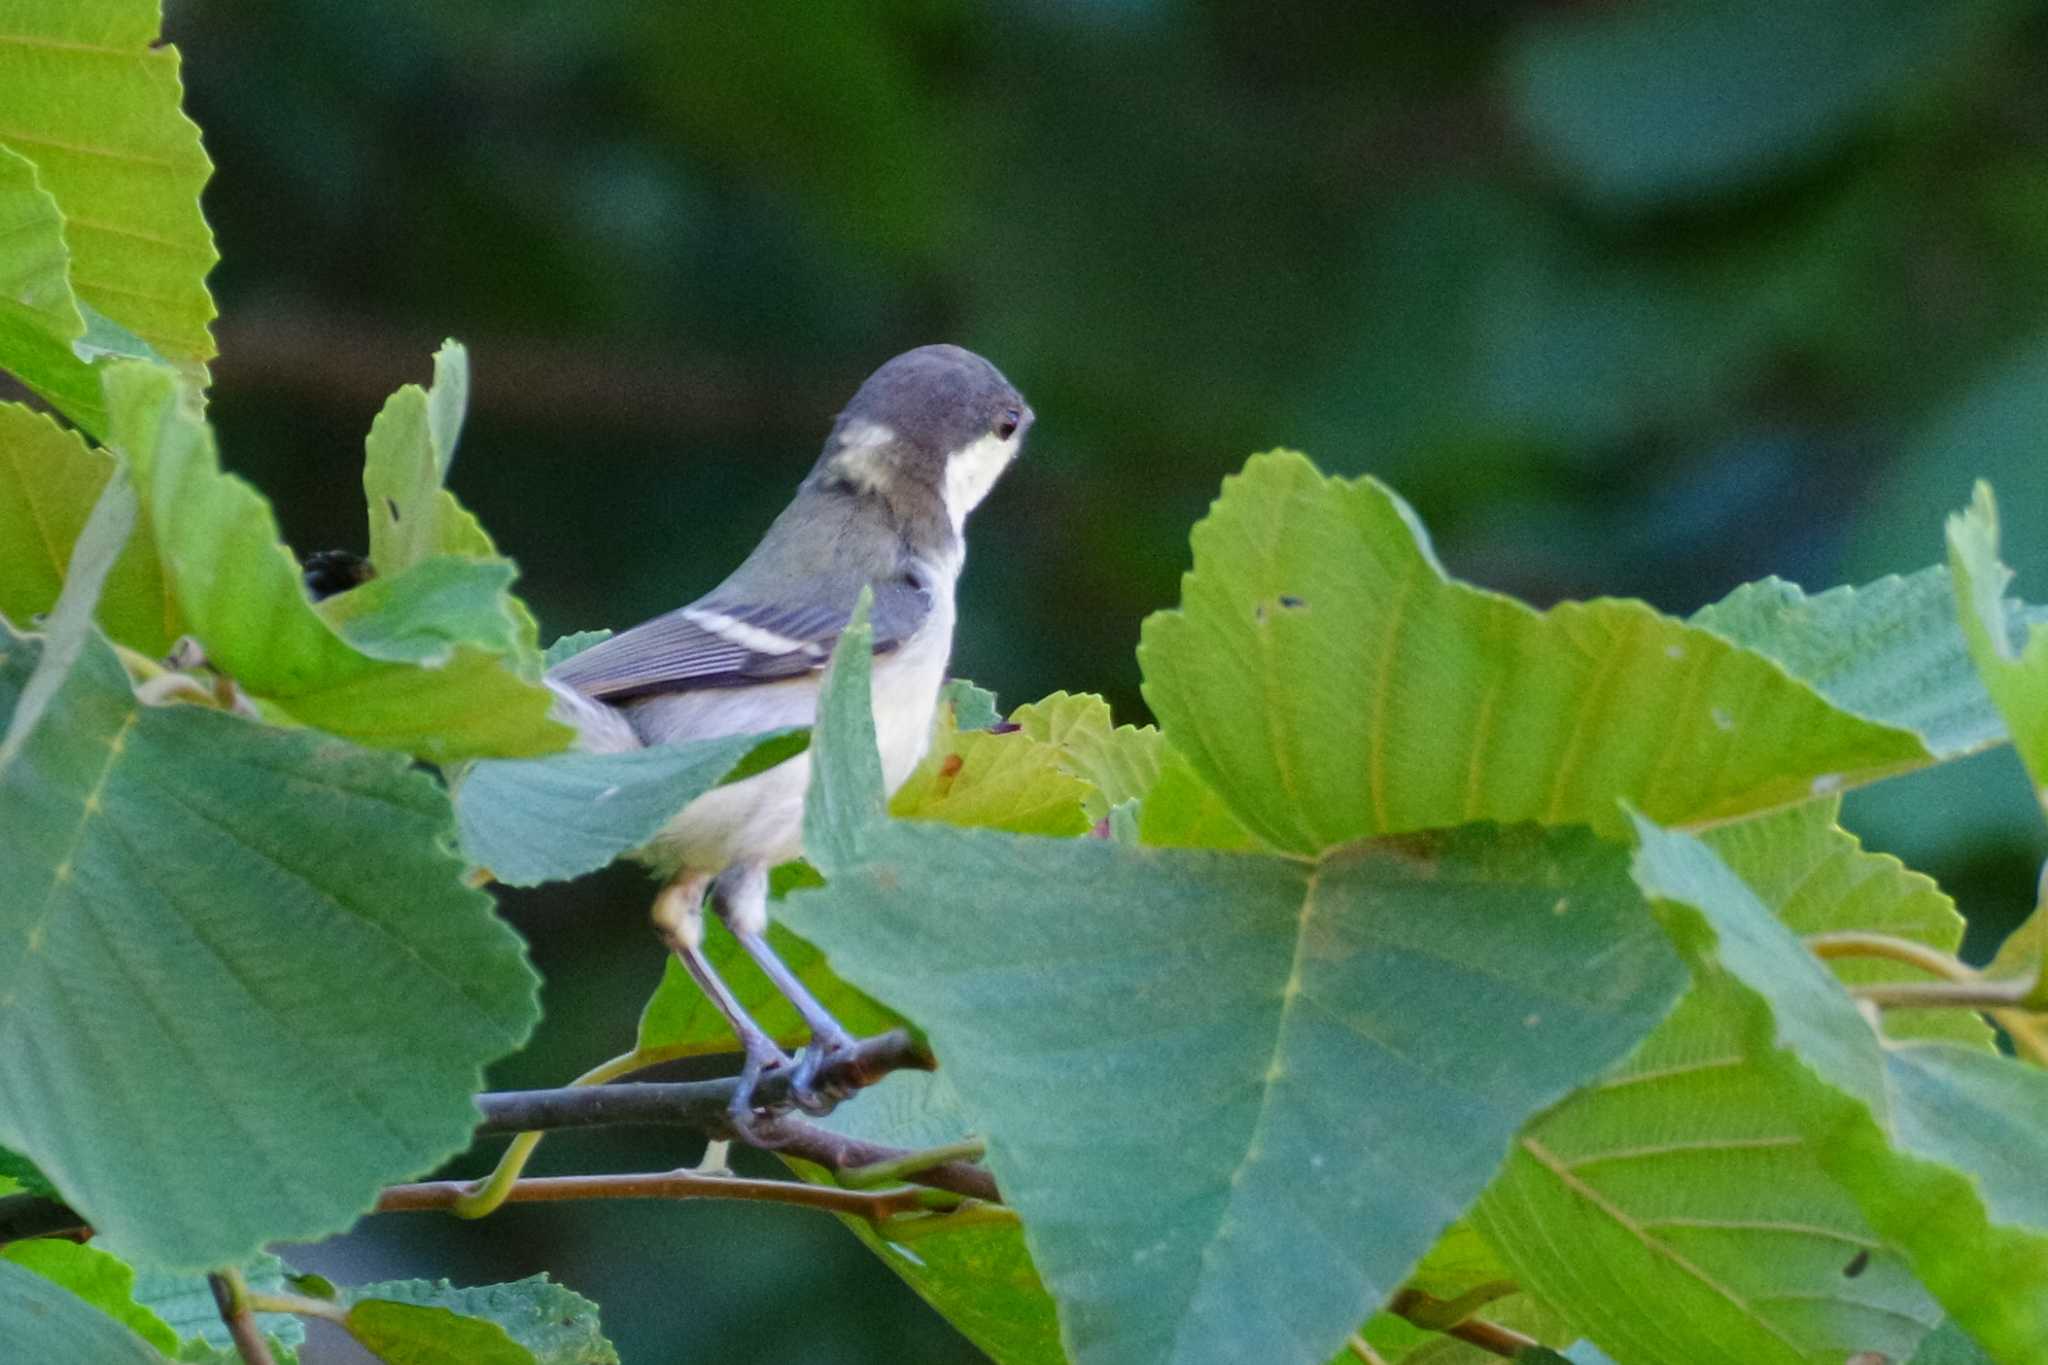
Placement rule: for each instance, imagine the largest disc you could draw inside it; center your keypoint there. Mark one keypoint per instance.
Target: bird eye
(1006, 425)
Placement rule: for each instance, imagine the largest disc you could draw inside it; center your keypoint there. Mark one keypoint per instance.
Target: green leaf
(1938, 1144)
(424, 614)
(1962, 1191)
(185, 1303)
(238, 590)
(1327, 680)
(845, 799)
(2016, 679)
(414, 1322)
(49, 480)
(408, 1334)
(1183, 811)
(1462, 1269)
(1120, 761)
(1678, 1216)
(977, 1275)
(39, 317)
(407, 455)
(104, 1281)
(1423, 995)
(46, 1322)
(679, 1021)
(21, 1175)
(1889, 651)
(406, 460)
(204, 882)
(536, 820)
(974, 708)
(572, 644)
(1006, 781)
(1950, 1345)
(1649, 105)
(90, 95)
(70, 625)
(1817, 879)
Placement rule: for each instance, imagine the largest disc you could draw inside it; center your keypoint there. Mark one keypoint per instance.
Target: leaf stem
(874, 1205)
(1960, 987)
(231, 1297)
(1427, 1311)
(909, 1164)
(1857, 943)
(487, 1194)
(304, 1305)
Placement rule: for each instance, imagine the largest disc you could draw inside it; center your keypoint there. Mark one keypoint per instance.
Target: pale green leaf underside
(1889, 651)
(980, 1277)
(1679, 1217)
(1329, 682)
(1422, 995)
(203, 883)
(46, 1322)
(88, 96)
(1817, 878)
(533, 820)
(101, 1279)
(1939, 1145)
(186, 1304)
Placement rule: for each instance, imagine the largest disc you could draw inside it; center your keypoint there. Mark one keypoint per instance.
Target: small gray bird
(884, 508)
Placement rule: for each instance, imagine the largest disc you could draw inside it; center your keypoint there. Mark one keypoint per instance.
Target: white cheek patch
(972, 472)
(865, 436)
(859, 455)
(746, 636)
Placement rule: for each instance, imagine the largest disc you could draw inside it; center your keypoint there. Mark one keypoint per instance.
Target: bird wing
(723, 640)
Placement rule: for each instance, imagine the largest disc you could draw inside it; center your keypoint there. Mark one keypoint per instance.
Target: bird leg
(679, 918)
(740, 896)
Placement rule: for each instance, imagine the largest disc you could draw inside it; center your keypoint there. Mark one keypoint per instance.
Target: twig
(1362, 1348)
(486, 1195)
(231, 1296)
(840, 1154)
(1960, 987)
(703, 1105)
(875, 1205)
(1427, 1311)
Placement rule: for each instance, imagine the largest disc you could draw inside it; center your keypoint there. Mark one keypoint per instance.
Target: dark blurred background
(1627, 298)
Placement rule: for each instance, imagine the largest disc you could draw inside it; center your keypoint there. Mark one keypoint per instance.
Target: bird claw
(754, 1125)
(817, 1059)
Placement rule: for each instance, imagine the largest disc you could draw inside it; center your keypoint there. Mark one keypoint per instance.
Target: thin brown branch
(231, 1296)
(1426, 1311)
(874, 1205)
(837, 1152)
(702, 1105)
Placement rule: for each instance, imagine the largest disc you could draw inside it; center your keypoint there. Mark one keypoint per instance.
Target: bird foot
(811, 1088)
